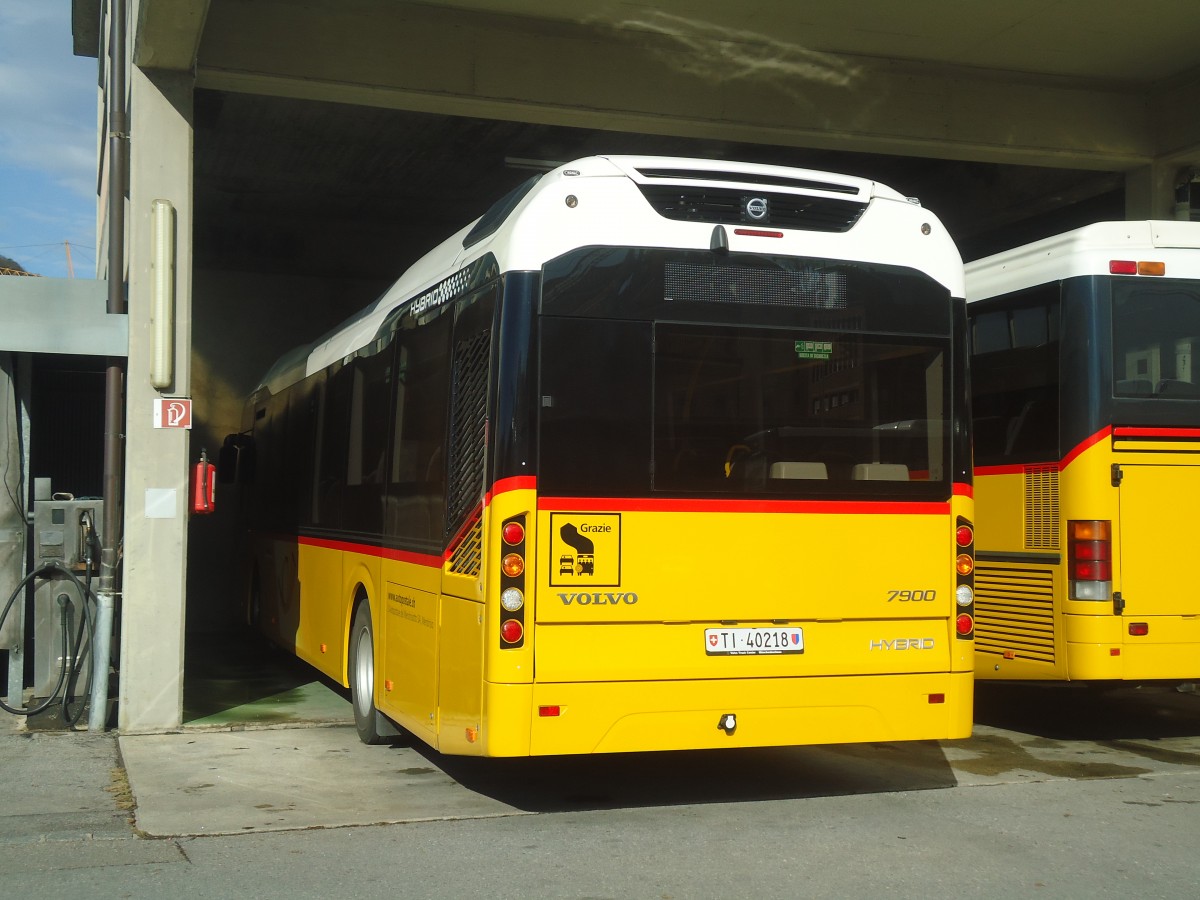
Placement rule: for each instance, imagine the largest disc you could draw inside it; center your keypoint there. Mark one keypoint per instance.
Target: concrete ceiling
(344, 137)
(1090, 40)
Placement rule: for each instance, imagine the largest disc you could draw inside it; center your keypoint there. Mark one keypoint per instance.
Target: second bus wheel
(362, 677)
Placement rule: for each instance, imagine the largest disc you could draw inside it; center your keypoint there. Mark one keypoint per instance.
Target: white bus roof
(1086, 251)
(598, 201)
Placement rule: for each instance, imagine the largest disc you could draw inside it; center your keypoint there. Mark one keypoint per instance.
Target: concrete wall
(153, 597)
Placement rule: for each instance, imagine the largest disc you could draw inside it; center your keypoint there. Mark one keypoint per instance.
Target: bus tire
(362, 676)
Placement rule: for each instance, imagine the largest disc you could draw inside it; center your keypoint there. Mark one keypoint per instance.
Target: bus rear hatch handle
(1118, 603)
(1117, 474)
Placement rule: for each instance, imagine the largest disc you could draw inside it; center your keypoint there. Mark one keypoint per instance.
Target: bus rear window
(1156, 330)
(795, 412)
(641, 409)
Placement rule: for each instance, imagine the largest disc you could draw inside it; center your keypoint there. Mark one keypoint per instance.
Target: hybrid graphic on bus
(657, 454)
(1086, 399)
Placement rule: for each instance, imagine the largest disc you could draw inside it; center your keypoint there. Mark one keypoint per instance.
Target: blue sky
(47, 141)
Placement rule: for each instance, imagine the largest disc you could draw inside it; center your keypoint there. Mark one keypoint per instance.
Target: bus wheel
(362, 676)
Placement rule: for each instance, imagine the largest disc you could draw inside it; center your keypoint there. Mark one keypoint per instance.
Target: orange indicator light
(1151, 268)
(512, 564)
(1090, 529)
(964, 564)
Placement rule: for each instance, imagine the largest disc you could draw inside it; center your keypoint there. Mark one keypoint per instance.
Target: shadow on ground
(625, 780)
(1090, 712)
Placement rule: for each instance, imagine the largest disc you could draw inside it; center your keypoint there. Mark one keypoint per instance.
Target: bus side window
(331, 456)
(302, 448)
(367, 440)
(415, 506)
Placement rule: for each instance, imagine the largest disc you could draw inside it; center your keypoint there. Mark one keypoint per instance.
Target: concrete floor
(235, 678)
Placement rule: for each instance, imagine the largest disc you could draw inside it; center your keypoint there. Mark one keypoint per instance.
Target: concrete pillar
(1150, 192)
(152, 605)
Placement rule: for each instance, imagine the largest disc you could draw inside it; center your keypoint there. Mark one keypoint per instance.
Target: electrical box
(62, 529)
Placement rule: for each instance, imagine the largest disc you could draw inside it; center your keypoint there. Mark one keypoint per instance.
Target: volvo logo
(757, 208)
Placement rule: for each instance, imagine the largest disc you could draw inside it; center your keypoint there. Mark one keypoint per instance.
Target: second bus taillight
(1089, 559)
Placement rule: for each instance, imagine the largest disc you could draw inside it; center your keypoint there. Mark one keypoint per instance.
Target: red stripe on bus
(1126, 432)
(408, 556)
(1021, 468)
(328, 544)
(845, 507)
(964, 490)
(516, 483)
(1011, 470)
(1096, 438)
(463, 530)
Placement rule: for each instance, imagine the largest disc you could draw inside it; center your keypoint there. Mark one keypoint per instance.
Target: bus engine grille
(1014, 612)
(1041, 507)
(467, 557)
(726, 207)
(468, 429)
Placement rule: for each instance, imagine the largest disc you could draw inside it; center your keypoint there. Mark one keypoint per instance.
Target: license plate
(753, 641)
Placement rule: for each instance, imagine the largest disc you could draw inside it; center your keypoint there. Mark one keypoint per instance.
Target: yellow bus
(1086, 405)
(657, 454)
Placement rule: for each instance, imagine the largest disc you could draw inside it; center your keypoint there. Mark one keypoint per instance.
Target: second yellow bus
(1086, 401)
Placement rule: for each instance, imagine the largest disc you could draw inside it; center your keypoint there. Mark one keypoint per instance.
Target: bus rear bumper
(1102, 649)
(620, 717)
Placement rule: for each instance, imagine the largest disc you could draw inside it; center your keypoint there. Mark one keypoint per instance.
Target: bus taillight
(1136, 267)
(1089, 559)
(512, 582)
(964, 569)
(512, 564)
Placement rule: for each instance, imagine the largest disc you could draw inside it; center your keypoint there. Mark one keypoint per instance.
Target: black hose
(85, 592)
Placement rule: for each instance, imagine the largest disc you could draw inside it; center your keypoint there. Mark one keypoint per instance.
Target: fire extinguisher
(204, 485)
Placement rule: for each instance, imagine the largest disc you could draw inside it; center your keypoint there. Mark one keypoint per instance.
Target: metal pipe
(114, 374)
(101, 651)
